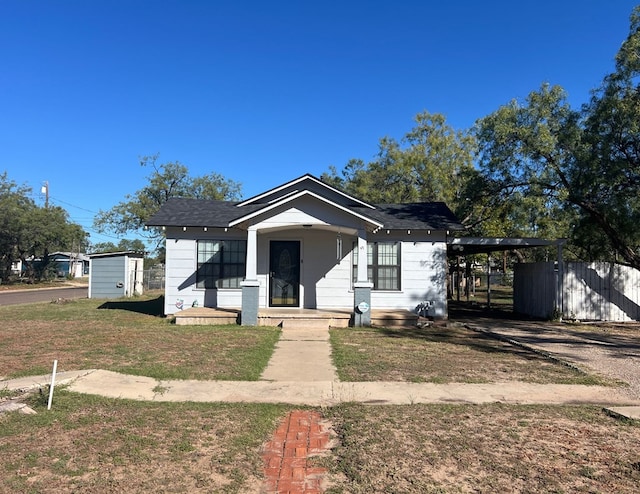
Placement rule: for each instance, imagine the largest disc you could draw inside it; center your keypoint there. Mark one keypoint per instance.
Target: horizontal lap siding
(331, 277)
(422, 279)
(325, 281)
(180, 255)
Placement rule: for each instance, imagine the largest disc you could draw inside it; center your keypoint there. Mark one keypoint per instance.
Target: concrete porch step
(301, 323)
(304, 318)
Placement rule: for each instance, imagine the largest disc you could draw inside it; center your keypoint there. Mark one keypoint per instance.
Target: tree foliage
(124, 245)
(165, 181)
(432, 162)
(582, 165)
(29, 231)
(525, 153)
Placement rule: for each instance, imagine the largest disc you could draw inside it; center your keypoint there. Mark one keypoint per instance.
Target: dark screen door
(284, 274)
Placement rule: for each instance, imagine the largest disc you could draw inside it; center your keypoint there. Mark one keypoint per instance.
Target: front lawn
(95, 444)
(441, 354)
(88, 334)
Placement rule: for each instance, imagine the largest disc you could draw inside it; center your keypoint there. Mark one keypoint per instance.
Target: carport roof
(484, 245)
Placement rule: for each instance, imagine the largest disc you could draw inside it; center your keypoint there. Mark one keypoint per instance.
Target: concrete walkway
(301, 355)
(324, 393)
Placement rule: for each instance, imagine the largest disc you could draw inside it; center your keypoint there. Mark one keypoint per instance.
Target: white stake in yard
(53, 383)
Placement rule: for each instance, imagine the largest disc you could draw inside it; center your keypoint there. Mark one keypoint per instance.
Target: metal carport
(459, 246)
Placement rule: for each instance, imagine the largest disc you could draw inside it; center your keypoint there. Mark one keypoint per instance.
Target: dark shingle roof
(179, 211)
(213, 214)
(414, 216)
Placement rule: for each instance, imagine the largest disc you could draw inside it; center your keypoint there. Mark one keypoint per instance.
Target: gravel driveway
(609, 349)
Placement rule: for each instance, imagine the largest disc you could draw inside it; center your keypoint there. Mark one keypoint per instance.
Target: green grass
(130, 339)
(100, 445)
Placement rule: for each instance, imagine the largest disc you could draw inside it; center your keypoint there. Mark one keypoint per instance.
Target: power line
(72, 205)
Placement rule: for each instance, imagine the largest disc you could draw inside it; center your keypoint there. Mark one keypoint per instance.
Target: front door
(284, 273)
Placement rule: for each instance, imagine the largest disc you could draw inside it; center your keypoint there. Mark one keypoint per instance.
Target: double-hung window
(221, 263)
(383, 265)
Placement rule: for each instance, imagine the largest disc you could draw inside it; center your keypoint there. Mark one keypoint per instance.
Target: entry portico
(305, 245)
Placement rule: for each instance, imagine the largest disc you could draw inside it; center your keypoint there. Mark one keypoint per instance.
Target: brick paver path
(299, 436)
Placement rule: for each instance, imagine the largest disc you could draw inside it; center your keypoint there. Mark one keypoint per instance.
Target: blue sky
(263, 92)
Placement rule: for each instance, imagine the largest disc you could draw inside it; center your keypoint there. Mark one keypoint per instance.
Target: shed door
(284, 273)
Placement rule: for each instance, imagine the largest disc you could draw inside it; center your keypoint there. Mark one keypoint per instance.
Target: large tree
(432, 162)
(29, 231)
(165, 181)
(582, 165)
(525, 152)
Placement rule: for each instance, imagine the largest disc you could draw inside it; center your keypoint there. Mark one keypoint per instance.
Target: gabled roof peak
(306, 181)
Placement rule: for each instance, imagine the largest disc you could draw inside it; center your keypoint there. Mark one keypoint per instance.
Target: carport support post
(489, 281)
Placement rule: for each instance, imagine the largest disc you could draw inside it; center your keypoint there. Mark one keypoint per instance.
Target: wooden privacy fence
(597, 291)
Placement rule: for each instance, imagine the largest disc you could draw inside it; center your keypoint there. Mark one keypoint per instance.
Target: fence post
(560, 281)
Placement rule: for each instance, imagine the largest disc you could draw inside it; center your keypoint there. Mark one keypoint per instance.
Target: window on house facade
(383, 265)
(221, 263)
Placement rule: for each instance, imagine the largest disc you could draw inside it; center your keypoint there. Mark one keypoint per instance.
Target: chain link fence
(153, 279)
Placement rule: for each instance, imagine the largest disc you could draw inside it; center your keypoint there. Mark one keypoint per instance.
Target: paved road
(13, 297)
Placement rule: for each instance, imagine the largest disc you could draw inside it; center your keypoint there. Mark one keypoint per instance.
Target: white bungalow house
(303, 245)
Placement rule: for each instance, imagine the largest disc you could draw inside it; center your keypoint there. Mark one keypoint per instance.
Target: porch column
(362, 287)
(251, 285)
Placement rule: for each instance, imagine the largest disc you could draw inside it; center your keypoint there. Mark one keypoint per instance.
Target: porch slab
(297, 318)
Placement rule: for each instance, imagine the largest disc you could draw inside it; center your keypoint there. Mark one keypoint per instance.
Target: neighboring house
(303, 245)
(116, 274)
(65, 264)
(70, 263)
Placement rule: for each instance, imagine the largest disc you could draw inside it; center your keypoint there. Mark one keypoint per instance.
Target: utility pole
(45, 190)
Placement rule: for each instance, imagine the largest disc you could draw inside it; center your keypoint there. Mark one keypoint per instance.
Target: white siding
(423, 279)
(325, 281)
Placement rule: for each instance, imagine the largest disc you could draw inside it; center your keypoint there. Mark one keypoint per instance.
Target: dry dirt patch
(92, 444)
(488, 448)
